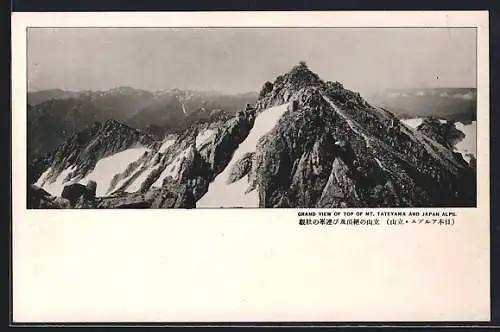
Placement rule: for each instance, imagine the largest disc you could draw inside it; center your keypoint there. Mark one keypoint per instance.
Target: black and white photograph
(239, 167)
(251, 117)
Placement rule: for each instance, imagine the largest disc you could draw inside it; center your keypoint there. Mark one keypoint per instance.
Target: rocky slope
(54, 121)
(304, 143)
(173, 172)
(82, 151)
(444, 133)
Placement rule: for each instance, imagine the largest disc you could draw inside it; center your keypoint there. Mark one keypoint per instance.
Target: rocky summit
(304, 143)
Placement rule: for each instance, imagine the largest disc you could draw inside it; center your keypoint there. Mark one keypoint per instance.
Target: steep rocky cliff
(333, 149)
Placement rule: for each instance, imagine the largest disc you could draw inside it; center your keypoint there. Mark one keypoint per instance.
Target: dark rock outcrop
(444, 133)
(73, 192)
(336, 150)
(129, 201)
(40, 199)
(234, 132)
(241, 168)
(91, 189)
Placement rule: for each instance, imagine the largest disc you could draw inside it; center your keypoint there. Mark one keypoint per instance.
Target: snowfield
(468, 144)
(106, 168)
(203, 137)
(413, 123)
(166, 144)
(136, 184)
(54, 188)
(221, 194)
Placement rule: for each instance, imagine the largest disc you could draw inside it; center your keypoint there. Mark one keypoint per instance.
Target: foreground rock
(40, 199)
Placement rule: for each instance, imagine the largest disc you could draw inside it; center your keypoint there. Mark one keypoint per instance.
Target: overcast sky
(239, 60)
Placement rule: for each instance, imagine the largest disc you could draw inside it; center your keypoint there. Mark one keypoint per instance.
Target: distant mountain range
(303, 142)
(455, 104)
(54, 115)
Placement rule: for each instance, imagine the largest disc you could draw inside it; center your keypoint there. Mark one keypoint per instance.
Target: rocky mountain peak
(302, 81)
(300, 76)
(111, 125)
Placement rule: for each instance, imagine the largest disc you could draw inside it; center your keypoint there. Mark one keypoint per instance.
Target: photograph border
(277, 28)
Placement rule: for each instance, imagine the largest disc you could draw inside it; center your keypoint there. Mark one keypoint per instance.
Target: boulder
(126, 201)
(73, 192)
(63, 203)
(91, 189)
(37, 197)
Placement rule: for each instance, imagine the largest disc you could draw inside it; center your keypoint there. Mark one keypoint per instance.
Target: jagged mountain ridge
(328, 147)
(353, 148)
(83, 150)
(194, 153)
(54, 115)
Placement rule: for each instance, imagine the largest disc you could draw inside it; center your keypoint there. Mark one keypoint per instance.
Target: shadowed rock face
(73, 192)
(443, 133)
(329, 149)
(335, 150)
(40, 199)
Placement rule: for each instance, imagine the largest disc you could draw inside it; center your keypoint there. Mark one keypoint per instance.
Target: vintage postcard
(250, 167)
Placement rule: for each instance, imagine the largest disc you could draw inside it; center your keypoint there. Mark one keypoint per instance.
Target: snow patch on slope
(172, 169)
(166, 144)
(136, 184)
(221, 194)
(413, 123)
(146, 170)
(41, 180)
(203, 137)
(467, 146)
(106, 168)
(55, 187)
